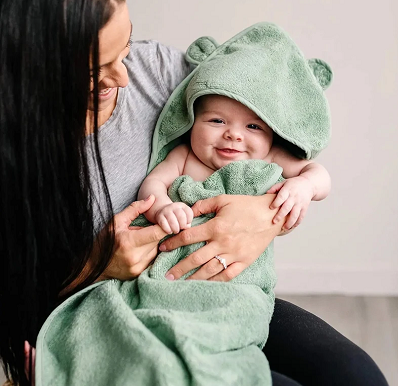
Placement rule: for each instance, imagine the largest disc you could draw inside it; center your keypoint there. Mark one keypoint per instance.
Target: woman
(57, 191)
(46, 205)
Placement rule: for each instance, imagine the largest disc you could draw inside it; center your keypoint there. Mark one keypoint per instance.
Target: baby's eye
(216, 120)
(253, 126)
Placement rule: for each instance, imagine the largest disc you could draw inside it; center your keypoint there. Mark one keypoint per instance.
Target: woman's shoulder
(152, 60)
(154, 48)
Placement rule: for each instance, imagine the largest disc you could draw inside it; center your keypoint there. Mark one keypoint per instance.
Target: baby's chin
(220, 164)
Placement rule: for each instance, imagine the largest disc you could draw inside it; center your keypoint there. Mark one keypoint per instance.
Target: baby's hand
(294, 196)
(174, 217)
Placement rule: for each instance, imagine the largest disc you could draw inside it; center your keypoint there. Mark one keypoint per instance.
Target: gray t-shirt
(125, 139)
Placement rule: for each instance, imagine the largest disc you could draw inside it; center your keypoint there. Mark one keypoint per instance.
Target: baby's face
(225, 130)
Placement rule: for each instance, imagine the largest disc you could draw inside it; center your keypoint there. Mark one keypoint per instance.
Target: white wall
(349, 242)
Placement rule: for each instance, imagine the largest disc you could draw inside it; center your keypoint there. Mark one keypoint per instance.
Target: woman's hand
(135, 247)
(239, 233)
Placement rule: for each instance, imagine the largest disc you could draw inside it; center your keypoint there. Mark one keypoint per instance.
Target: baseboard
(337, 280)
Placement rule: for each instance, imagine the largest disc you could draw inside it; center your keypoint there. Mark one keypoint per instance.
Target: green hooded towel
(151, 331)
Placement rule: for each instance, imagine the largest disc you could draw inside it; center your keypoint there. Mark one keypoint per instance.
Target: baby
(225, 131)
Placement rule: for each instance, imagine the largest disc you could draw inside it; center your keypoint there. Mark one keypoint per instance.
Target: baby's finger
(282, 196)
(275, 188)
(189, 213)
(293, 218)
(284, 210)
(173, 222)
(181, 218)
(301, 217)
(165, 225)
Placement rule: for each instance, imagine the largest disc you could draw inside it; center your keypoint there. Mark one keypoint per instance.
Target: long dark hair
(47, 48)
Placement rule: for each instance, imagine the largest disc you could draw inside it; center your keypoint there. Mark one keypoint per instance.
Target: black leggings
(307, 350)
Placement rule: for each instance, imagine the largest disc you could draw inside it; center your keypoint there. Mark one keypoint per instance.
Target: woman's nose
(117, 76)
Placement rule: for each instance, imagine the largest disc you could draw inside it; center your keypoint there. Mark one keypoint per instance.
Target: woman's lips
(107, 93)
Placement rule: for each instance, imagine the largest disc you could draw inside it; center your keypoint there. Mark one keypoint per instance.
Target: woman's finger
(189, 236)
(127, 266)
(231, 272)
(126, 216)
(145, 262)
(27, 357)
(146, 235)
(209, 270)
(194, 260)
(209, 205)
(30, 359)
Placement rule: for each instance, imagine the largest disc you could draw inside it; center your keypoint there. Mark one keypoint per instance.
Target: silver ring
(221, 260)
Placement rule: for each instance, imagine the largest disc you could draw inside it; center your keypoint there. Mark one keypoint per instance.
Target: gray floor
(370, 322)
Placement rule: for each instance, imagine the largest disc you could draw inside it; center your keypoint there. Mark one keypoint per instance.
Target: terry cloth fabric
(151, 331)
(263, 69)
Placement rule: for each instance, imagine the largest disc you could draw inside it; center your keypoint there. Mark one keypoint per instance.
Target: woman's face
(114, 46)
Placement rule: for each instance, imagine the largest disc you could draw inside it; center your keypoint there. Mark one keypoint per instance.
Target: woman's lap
(282, 380)
(303, 347)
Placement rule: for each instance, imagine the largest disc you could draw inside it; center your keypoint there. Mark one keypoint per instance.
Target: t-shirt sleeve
(173, 67)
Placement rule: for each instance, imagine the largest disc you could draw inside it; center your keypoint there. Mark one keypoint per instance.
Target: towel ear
(322, 72)
(201, 49)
